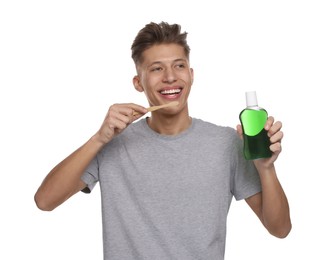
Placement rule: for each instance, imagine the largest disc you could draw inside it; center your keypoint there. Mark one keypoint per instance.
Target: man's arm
(64, 180)
(271, 205)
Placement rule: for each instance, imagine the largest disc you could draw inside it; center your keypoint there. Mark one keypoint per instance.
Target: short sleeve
(246, 180)
(90, 176)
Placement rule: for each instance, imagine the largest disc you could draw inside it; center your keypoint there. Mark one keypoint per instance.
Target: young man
(167, 180)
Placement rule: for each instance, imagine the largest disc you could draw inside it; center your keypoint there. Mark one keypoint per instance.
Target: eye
(181, 66)
(156, 69)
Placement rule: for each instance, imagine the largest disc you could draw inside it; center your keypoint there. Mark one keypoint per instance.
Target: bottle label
(256, 141)
(253, 121)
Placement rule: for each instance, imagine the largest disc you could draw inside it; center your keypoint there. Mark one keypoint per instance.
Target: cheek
(186, 76)
(151, 82)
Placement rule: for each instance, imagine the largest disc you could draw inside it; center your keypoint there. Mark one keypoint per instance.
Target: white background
(63, 63)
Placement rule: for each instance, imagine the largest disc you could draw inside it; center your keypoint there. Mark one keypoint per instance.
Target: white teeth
(170, 91)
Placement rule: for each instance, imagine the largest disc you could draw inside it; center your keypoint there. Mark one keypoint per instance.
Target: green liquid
(256, 142)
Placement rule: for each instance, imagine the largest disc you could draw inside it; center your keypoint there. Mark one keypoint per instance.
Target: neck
(167, 124)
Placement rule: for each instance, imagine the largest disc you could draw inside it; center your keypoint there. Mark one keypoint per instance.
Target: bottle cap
(251, 99)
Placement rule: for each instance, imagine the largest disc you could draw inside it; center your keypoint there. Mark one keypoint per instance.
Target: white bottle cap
(251, 99)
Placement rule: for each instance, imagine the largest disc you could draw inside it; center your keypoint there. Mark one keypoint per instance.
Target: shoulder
(211, 129)
(221, 140)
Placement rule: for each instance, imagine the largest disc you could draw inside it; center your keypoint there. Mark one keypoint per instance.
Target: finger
(276, 147)
(137, 115)
(124, 112)
(276, 127)
(137, 109)
(122, 109)
(115, 123)
(277, 137)
(115, 119)
(128, 115)
(269, 122)
(132, 111)
(239, 130)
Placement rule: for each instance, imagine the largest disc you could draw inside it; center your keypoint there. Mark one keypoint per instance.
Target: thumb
(239, 131)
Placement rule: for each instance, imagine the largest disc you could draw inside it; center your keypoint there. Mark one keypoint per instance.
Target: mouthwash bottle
(253, 119)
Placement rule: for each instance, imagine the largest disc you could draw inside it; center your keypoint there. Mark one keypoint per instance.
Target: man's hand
(275, 134)
(118, 117)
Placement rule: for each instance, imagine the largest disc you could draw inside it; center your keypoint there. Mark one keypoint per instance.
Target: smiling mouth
(167, 92)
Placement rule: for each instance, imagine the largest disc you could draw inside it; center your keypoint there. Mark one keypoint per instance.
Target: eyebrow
(160, 62)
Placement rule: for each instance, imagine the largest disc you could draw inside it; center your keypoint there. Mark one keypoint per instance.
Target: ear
(137, 84)
(192, 75)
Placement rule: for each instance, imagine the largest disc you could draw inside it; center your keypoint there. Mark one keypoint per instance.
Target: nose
(169, 76)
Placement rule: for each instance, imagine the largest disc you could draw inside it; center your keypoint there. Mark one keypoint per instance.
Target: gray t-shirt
(167, 197)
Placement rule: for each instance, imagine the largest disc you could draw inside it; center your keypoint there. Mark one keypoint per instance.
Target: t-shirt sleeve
(246, 180)
(90, 176)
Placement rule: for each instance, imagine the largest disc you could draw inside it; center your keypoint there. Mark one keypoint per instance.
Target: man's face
(164, 75)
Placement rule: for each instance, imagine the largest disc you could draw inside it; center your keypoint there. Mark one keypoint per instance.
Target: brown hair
(153, 34)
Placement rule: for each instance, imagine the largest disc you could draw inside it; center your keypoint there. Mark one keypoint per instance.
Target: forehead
(163, 53)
